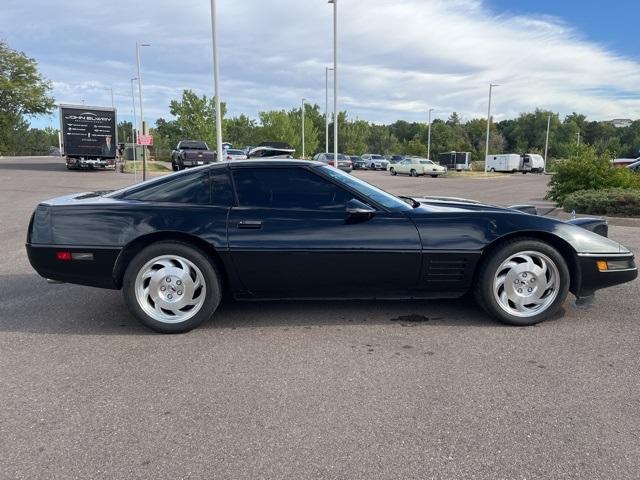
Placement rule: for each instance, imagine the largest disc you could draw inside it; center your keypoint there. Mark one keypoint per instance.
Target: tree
(23, 92)
(196, 116)
(241, 131)
(125, 132)
(414, 147)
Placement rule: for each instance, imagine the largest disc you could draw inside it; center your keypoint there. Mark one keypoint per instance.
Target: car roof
(276, 162)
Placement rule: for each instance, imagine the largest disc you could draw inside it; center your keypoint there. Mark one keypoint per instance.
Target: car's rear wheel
(523, 282)
(434, 176)
(414, 173)
(171, 287)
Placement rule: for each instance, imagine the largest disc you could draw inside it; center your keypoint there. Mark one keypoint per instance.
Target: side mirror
(358, 211)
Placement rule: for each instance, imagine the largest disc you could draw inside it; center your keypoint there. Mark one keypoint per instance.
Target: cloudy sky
(397, 57)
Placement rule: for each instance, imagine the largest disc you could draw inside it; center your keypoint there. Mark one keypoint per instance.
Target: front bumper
(621, 268)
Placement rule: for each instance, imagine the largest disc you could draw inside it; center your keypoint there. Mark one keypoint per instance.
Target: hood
(453, 204)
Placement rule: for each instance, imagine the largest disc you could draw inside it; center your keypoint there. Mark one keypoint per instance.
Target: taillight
(63, 256)
(229, 157)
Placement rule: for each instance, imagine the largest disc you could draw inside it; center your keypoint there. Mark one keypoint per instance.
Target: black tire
(414, 173)
(393, 172)
(483, 291)
(493, 170)
(194, 255)
(174, 167)
(434, 176)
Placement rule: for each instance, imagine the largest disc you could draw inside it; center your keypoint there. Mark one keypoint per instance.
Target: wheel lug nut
(162, 289)
(529, 290)
(519, 290)
(179, 282)
(168, 279)
(517, 281)
(179, 292)
(524, 275)
(170, 296)
(533, 280)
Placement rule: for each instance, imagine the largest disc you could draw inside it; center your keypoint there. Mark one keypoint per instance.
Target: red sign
(145, 140)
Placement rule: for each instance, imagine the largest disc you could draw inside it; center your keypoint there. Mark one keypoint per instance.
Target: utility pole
(429, 137)
(216, 81)
(486, 155)
(546, 144)
(326, 108)
(335, 80)
(578, 134)
(144, 148)
(133, 132)
(302, 116)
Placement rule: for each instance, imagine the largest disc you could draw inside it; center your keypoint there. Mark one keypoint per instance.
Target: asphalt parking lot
(308, 389)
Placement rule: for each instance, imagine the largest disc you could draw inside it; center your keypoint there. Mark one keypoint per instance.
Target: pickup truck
(191, 153)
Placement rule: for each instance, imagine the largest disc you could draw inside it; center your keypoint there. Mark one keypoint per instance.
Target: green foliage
(414, 147)
(586, 170)
(618, 202)
(196, 116)
(23, 92)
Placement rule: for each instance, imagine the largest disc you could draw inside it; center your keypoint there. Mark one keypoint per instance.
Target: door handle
(250, 224)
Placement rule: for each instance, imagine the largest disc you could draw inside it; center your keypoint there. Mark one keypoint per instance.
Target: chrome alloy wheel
(526, 284)
(170, 289)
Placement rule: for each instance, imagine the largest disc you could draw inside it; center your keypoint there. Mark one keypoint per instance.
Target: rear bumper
(91, 266)
(196, 162)
(621, 269)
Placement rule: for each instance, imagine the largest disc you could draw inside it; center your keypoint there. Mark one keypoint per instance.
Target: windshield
(377, 157)
(235, 152)
(367, 190)
(340, 156)
(426, 162)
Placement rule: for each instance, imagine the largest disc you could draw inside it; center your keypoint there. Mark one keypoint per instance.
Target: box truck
(89, 136)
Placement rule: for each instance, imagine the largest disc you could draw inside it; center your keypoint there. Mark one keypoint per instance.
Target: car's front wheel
(523, 282)
(414, 173)
(392, 171)
(171, 287)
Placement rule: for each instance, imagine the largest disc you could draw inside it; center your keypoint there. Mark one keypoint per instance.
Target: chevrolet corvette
(289, 229)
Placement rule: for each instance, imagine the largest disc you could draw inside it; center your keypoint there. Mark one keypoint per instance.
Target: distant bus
(455, 160)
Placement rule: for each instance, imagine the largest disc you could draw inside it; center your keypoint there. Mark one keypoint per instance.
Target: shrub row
(616, 202)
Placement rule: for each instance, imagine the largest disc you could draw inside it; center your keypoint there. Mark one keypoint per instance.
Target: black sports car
(296, 229)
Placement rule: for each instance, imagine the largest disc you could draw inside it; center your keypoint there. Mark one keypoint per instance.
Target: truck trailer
(457, 161)
(513, 162)
(89, 136)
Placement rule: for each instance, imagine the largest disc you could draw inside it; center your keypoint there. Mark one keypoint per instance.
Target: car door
(289, 236)
(402, 166)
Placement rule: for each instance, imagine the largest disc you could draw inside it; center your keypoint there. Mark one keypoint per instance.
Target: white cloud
(396, 58)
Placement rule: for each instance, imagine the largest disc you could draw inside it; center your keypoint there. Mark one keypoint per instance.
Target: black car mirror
(358, 211)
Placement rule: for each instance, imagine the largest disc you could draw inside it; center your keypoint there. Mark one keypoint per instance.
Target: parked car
(635, 166)
(344, 162)
(417, 166)
(282, 229)
(373, 161)
(233, 154)
(272, 150)
(395, 158)
(357, 162)
(191, 153)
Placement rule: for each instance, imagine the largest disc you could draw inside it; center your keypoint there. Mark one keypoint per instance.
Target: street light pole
(429, 137)
(546, 144)
(302, 116)
(486, 155)
(216, 81)
(144, 149)
(578, 134)
(133, 132)
(335, 80)
(109, 89)
(326, 108)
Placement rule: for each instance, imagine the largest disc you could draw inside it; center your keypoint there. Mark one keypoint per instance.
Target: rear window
(235, 152)
(190, 188)
(193, 146)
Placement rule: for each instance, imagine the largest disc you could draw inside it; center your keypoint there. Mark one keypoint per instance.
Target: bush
(477, 166)
(584, 170)
(617, 202)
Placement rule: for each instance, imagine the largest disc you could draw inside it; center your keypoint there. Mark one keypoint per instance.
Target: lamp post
(429, 137)
(335, 79)
(302, 117)
(486, 155)
(133, 132)
(546, 144)
(216, 81)
(144, 149)
(326, 108)
(578, 134)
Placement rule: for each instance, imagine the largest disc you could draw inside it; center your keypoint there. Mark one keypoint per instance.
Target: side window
(187, 188)
(221, 190)
(287, 188)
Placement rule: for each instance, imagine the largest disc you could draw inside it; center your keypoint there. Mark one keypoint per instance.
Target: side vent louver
(451, 270)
